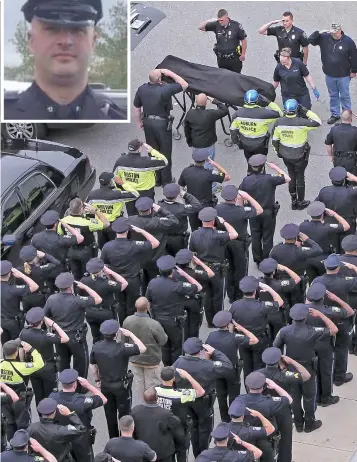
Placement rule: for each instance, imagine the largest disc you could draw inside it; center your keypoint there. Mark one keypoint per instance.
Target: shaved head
(142, 304)
(201, 99)
(155, 76)
(150, 395)
(346, 116)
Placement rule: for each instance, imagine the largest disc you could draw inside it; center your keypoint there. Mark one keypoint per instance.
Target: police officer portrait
(65, 60)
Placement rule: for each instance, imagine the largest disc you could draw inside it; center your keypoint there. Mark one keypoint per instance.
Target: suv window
(35, 190)
(12, 214)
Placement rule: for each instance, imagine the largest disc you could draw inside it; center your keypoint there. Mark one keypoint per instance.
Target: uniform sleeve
(269, 307)
(67, 241)
(211, 26)
(337, 313)
(217, 177)
(181, 181)
(278, 403)
(320, 333)
(95, 225)
(130, 350)
(137, 100)
(148, 453)
(277, 180)
(114, 287)
(170, 90)
(329, 138)
(188, 395)
(141, 247)
(20, 290)
(303, 40)
(249, 212)
(292, 378)
(53, 338)
(258, 433)
(279, 339)
(272, 31)
(222, 366)
(336, 228)
(245, 456)
(287, 285)
(303, 68)
(276, 76)
(84, 302)
(241, 340)
(222, 237)
(241, 35)
(186, 288)
(92, 402)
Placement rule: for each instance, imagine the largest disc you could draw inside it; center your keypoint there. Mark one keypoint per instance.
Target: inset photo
(65, 60)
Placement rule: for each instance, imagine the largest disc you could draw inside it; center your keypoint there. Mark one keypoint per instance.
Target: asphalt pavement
(178, 34)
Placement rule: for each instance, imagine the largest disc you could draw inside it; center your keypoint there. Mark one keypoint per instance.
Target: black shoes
(294, 201)
(312, 426)
(347, 378)
(333, 119)
(331, 400)
(299, 428)
(303, 204)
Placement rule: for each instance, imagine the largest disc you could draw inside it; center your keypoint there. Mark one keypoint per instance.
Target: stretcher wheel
(177, 135)
(228, 142)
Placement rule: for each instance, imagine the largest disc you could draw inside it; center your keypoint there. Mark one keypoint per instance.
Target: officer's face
(336, 35)
(287, 22)
(61, 52)
(284, 60)
(223, 21)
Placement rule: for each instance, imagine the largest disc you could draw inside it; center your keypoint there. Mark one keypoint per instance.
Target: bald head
(346, 117)
(201, 99)
(150, 395)
(155, 76)
(142, 304)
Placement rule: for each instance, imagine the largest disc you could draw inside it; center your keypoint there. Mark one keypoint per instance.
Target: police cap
(167, 373)
(289, 231)
(171, 190)
(105, 178)
(20, 438)
(255, 380)
(143, 203)
(229, 192)
(192, 345)
(332, 261)
(121, 225)
(64, 280)
(109, 327)
(184, 256)
(10, 348)
(70, 13)
(47, 406)
(35, 315)
(134, 145)
(103, 457)
(166, 263)
(94, 265)
(28, 253)
(221, 432)
(315, 209)
(249, 284)
(299, 311)
(349, 243)
(337, 173)
(237, 408)
(68, 376)
(201, 154)
(49, 218)
(268, 265)
(207, 214)
(5, 267)
(271, 355)
(257, 160)
(316, 291)
(222, 318)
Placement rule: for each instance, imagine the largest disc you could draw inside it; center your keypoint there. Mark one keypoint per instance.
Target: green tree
(25, 70)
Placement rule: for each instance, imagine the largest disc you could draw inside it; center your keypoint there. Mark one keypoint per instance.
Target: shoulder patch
(248, 209)
(186, 392)
(199, 271)
(256, 428)
(44, 266)
(38, 458)
(276, 398)
(112, 283)
(296, 375)
(88, 400)
(139, 242)
(268, 303)
(242, 452)
(319, 329)
(188, 206)
(29, 365)
(83, 298)
(334, 225)
(221, 232)
(72, 427)
(67, 236)
(285, 283)
(347, 278)
(20, 287)
(128, 345)
(163, 219)
(336, 309)
(217, 363)
(186, 284)
(289, 374)
(94, 220)
(239, 335)
(304, 248)
(50, 334)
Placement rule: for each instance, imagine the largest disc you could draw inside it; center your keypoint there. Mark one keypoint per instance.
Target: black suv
(37, 176)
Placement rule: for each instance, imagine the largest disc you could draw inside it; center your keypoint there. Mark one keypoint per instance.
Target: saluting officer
(228, 342)
(261, 186)
(237, 250)
(114, 381)
(252, 314)
(80, 254)
(209, 244)
(300, 340)
(152, 106)
(11, 296)
(167, 302)
(288, 36)
(123, 255)
(205, 371)
(43, 381)
(139, 171)
(107, 284)
(68, 311)
(20, 444)
(110, 198)
(179, 239)
(83, 406)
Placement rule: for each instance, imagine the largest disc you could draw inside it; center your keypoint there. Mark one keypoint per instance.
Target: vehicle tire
(30, 130)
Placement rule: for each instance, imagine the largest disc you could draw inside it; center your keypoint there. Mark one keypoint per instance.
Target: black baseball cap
(134, 145)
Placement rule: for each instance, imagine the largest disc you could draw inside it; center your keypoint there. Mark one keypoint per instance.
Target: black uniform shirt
(181, 211)
(283, 286)
(228, 343)
(155, 98)
(294, 38)
(342, 286)
(126, 449)
(11, 297)
(292, 80)
(340, 199)
(209, 244)
(236, 216)
(23, 456)
(252, 314)
(223, 454)
(343, 137)
(42, 341)
(198, 181)
(322, 233)
(49, 268)
(282, 377)
(294, 257)
(261, 186)
(105, 288)
(67, 310)
(228, 37)
(107, 353)
(247, 433)
(337, 314)
(50, 242)
(268, 406)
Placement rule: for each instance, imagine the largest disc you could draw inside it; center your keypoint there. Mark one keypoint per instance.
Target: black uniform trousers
(249, 152)
(202, 414)
(234, 65)
(227, 390)
(285, 427)
(118, 404)
(215, 293)
(78, 259)
(175, 242)
(11, 329)
(105, 236)
(325, 359)
(160, 138)
(149, 271)
(195, 311)
(44, 381)
(252, 354)
(343, 338)
(238, 261)
(82, 450)
(130, 205)
(349, 162)
(128, 297)
(173, 347)
(77, 350)
(296, 170)
(306, 393)
(95, 316)
(262, 229)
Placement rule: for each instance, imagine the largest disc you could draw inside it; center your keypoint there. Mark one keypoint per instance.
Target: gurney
(225, 86)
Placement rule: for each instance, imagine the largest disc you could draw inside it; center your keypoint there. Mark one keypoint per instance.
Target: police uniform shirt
(86, 226)
(110, 201)
(283, 377)
(268, 406)
(335, 313)
(236, 216)
(11, 296)
(294, 38)
(123, 256)
(340, 199)
(40, 273)
(229, 37)
(223, 454)
(342, 286)
(199, 274)
(252, 314)
(284, 286)
(292, 80)
(15, 456)
(322, 233)
(106, 353)
(126, 449)
(67, 310)
(247, 433)
(228, 343)
(209, 244)
(343, 137)
(181, 211)
(198, 181)
(293, 257)
(261, 186)
(105, 288)
(50, 242)
(155, 98)
(42, 341)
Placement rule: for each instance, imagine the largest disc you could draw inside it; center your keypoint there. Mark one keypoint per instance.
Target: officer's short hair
(249, 294)
(126, 423)
(222, 13)
(286, 50)
(317, 216)
(76, 204)
(288, 13)
(258, 169)
(166, 273)
(109, 337)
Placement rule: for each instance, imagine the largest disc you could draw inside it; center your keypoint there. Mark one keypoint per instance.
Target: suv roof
(12, 168)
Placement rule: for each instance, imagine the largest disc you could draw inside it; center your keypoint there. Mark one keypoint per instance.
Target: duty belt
(78, 247)
(233, 55)
(349, 154)
(155, 117)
